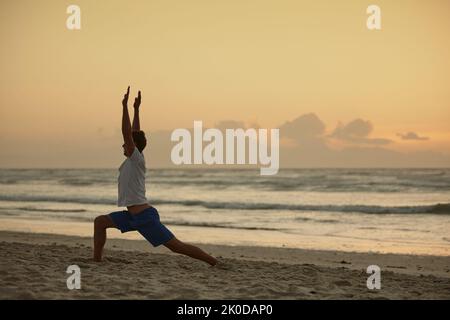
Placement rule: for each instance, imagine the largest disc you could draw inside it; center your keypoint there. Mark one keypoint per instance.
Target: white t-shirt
(132, 180)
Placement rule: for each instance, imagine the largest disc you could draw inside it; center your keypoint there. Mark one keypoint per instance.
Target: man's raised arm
(137, 103)
(126, 126)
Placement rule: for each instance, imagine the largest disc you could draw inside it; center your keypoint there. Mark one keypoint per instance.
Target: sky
(342, 95)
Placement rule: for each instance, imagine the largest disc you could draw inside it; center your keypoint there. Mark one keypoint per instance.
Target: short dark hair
(139, 140)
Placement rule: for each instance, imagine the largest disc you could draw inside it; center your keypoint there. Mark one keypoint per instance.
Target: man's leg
(101, 223)
(177, 246)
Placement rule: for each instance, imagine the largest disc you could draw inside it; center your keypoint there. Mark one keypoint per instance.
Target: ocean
(380, 210)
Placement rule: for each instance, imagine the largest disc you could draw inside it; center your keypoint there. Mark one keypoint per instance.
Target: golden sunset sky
(255, 61)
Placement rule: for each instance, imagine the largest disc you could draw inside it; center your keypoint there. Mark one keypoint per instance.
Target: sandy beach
(304, 144)
(33, 266)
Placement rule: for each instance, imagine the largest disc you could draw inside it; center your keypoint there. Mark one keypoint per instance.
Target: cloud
(357, 131)
(411, 136)
(311, 147)
(303, 141)
(306, 126)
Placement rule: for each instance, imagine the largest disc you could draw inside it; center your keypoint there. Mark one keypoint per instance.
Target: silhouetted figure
(139, 216)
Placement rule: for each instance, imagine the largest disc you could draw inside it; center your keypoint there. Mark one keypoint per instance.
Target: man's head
(139, 140)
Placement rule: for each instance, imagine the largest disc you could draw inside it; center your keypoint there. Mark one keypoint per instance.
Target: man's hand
(137, 100)
(125, 98)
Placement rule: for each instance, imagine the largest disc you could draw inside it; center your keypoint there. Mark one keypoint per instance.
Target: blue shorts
(145, 222)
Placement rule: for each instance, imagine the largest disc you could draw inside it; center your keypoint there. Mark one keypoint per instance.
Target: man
(139, 216)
